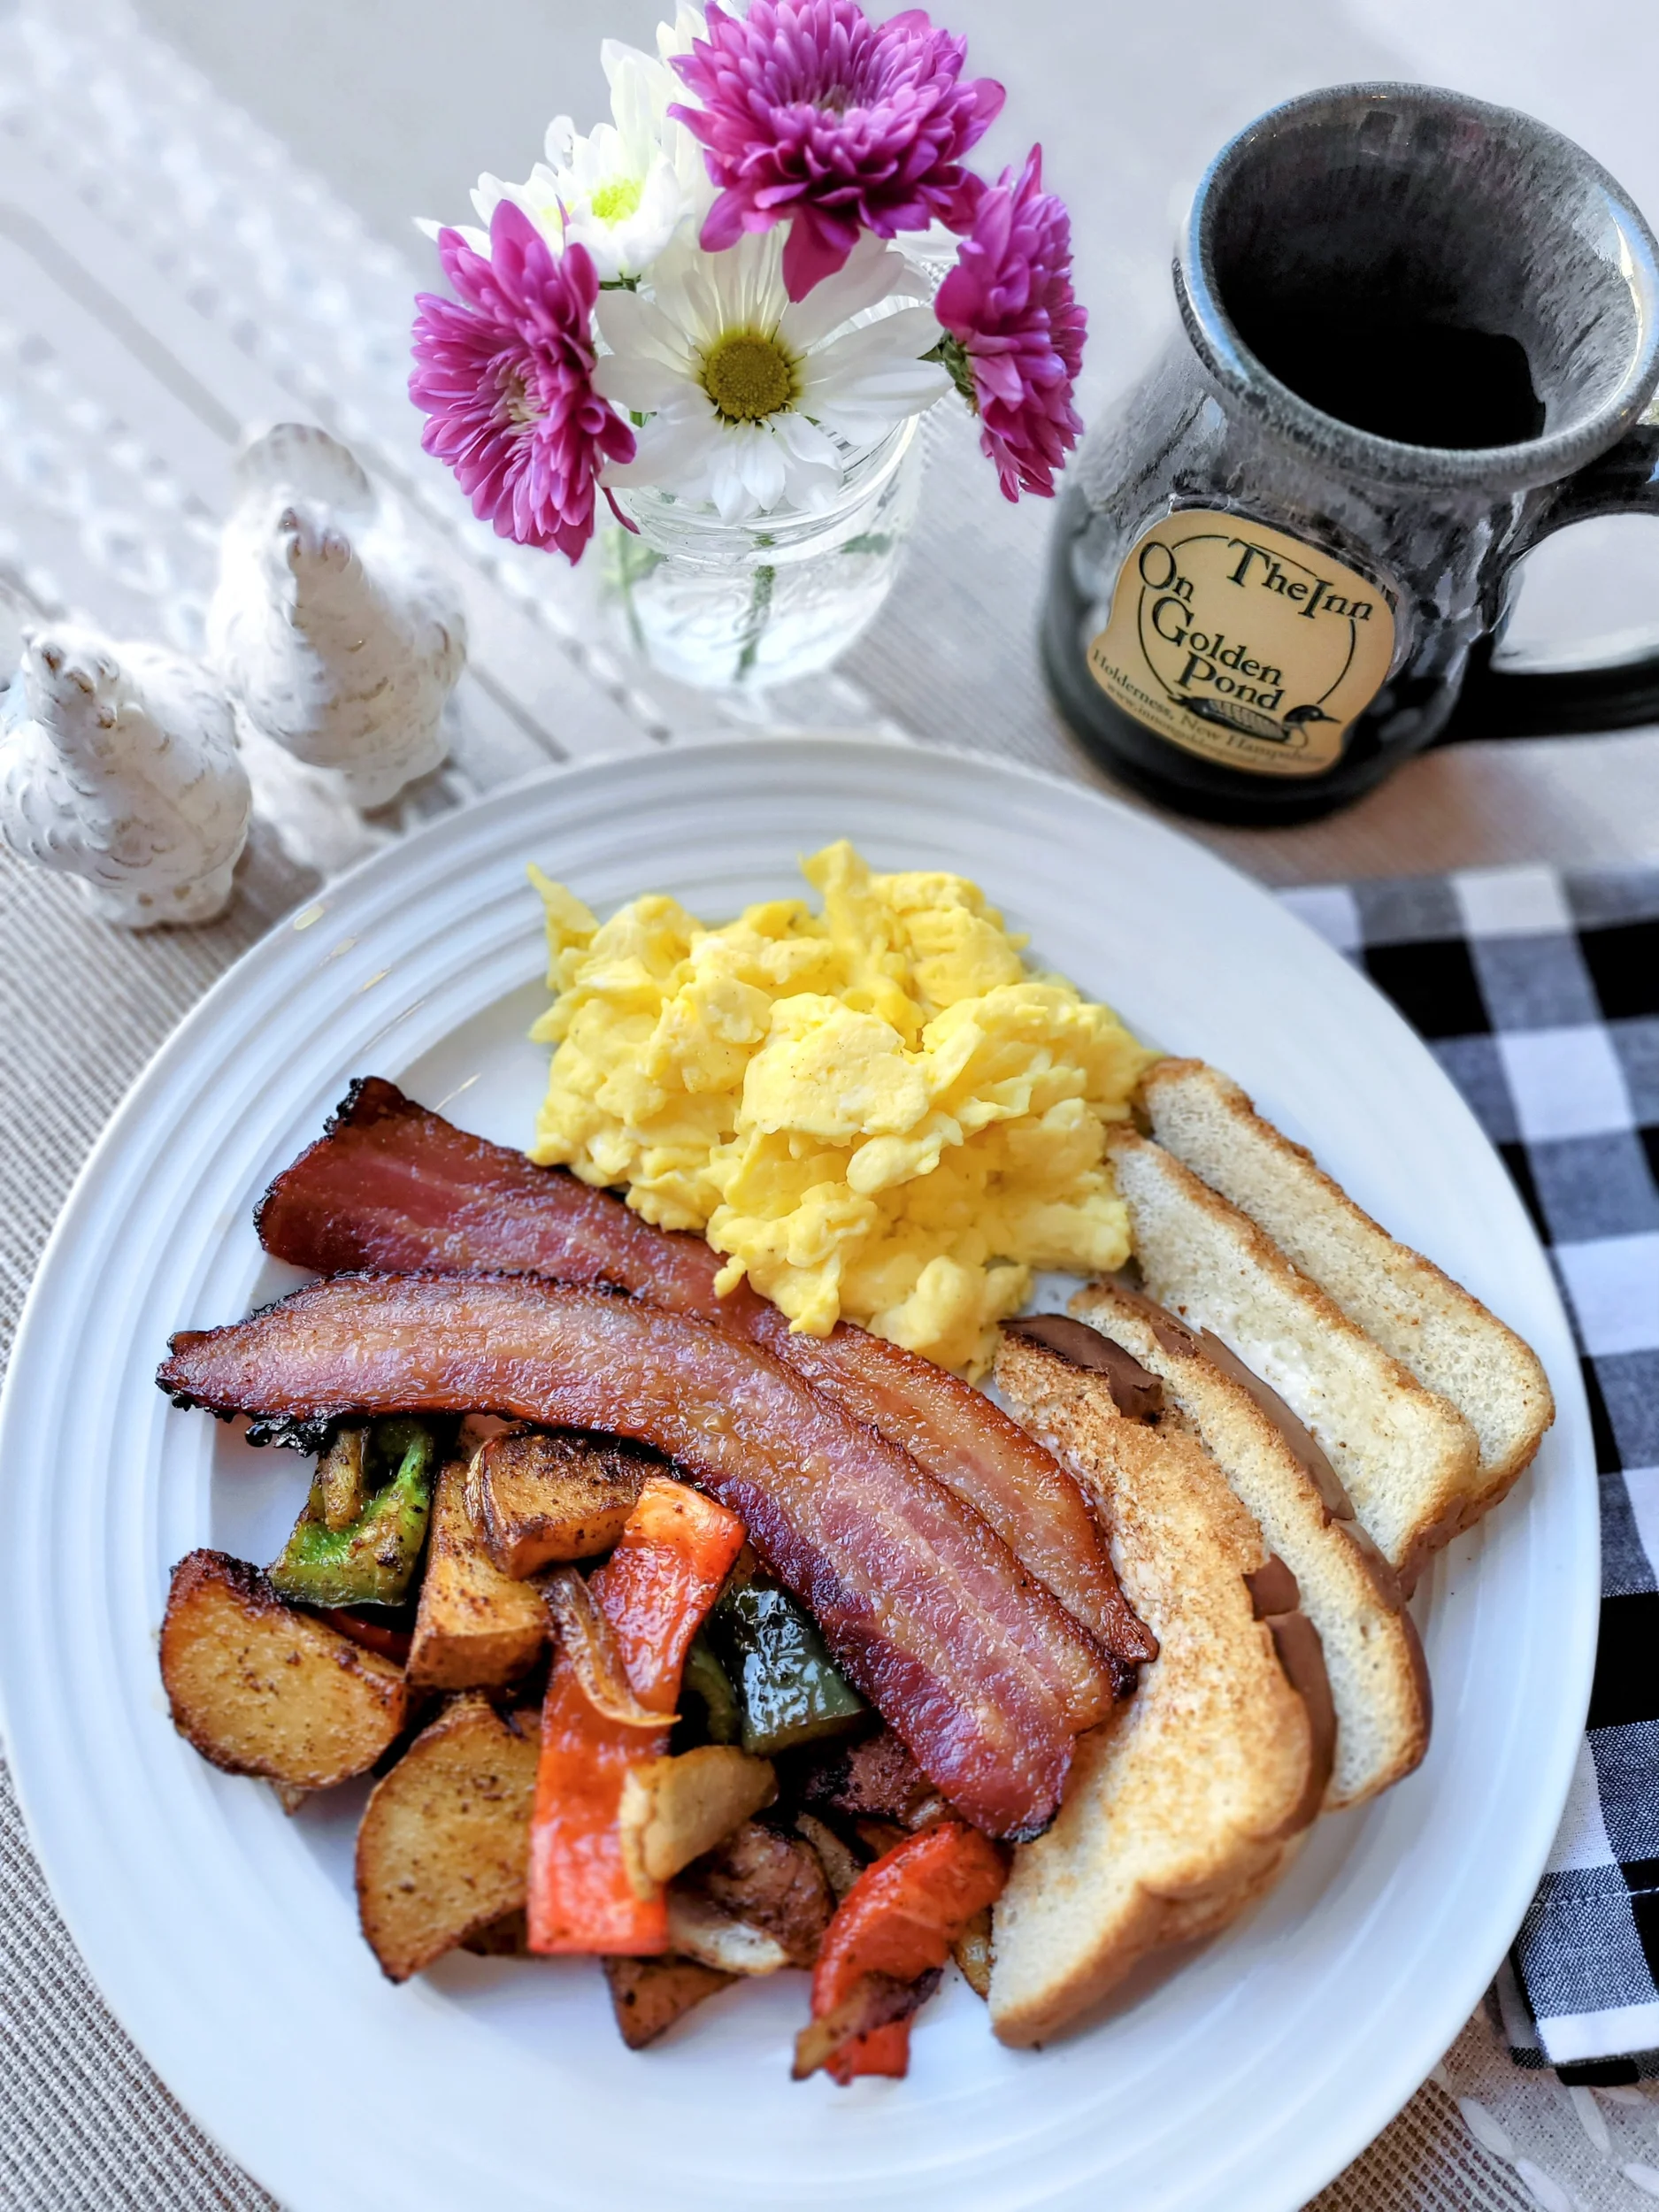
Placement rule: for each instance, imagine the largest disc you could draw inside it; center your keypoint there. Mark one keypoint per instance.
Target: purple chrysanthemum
(814, 116)
(1017, 329)
(505, 381)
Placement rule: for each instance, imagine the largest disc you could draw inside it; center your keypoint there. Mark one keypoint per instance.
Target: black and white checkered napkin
(1537, 992)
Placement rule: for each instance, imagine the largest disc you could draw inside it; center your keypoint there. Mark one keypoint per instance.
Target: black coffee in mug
(1394, 372)
(1418, 334)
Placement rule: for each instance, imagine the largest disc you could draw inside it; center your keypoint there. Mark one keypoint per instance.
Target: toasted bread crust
(1180, 1807)
(1374, 1656)
(1405, 1455)
(1432, 1324)
(260, 1688)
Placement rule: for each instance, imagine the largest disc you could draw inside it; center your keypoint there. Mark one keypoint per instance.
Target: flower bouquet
(726, 311)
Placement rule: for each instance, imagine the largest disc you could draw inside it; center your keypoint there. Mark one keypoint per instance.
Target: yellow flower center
(749, 377)
(615, 202)
(515, 400)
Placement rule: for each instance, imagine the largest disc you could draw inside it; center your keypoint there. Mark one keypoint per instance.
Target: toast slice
(1379, 1683)
(1406, 1457)
(1183, 1806)
(1428, 1323)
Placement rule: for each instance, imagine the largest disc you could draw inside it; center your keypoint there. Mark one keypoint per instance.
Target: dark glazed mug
(1418, 336)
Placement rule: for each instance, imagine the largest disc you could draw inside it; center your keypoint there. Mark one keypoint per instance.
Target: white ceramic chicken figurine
(119, 765)
(336, 639)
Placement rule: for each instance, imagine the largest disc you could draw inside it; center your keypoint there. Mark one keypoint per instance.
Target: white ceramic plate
(223, 1934)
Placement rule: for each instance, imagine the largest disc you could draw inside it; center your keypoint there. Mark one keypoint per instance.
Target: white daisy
(625, 190)
(640, 85)
(753, 401)
(675, 38)
(634, 183)
(429, 226)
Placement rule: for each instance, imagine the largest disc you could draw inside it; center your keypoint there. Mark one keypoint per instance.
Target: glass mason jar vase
(750, 604)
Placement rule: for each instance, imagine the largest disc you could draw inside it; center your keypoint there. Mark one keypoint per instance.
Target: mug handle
(1498, 702)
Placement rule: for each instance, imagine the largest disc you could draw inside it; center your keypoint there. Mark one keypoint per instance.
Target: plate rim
(1391, 2086)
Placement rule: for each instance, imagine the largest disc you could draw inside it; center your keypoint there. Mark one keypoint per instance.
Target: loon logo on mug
(1243, 645)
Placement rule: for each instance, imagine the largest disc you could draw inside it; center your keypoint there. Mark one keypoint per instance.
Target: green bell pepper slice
(335, 1558)
(790, 1689)
(706, 1682)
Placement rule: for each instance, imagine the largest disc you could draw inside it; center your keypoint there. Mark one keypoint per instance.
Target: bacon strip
(972, 1446)
(980, 1671)
(392, 1187)
(395, 1188)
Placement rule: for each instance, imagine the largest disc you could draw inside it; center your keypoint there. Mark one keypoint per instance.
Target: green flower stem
(632, 561)
(759, 612)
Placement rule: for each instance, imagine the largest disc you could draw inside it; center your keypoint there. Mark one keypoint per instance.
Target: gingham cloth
(1537, 992)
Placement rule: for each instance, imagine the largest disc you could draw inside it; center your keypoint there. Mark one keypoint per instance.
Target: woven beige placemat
(84, 2121)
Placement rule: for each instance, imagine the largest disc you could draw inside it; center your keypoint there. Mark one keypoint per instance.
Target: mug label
(1243, 644)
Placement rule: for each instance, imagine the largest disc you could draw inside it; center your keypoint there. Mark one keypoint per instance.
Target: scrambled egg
(878, 1111)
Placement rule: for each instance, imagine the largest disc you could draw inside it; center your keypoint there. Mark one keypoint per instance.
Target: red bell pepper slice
(376, 1635)
(665, 1572)
(897, 1922)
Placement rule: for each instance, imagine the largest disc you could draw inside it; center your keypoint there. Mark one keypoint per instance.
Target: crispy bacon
(390, 1186)
(979, 1670)
(970, 1444)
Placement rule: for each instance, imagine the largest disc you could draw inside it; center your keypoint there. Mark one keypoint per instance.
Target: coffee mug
(1418, 335)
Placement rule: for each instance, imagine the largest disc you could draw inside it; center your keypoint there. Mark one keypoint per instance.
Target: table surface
(171, 272)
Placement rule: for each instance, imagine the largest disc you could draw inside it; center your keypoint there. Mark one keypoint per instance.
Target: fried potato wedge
(649, 1995)
(675, 1809)
(260, 1689)
(445, 1838)
(541, 1496)
(508, 1937)
(476, 1628)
